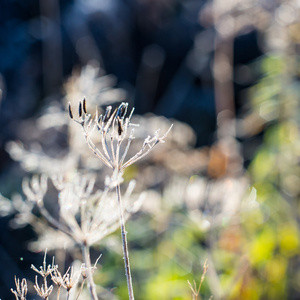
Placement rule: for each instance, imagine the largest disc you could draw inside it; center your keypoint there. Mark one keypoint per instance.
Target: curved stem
(125, 246)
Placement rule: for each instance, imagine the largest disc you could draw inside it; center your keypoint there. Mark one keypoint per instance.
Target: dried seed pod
(84, 105)
(122, 110)
(80, 109)
(120, 126)
(70, 111)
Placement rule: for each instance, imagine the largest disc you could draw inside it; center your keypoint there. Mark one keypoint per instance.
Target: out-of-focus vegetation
(274, 252)
(224, 186)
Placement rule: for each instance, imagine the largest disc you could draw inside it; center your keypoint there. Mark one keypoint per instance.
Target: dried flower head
(44, 270)
(113, 128)
(86, 215)
(43, 291)
(21, 290)
(68, 281)
(84, 271)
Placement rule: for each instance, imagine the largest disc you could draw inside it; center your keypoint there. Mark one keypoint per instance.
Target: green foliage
(273, 243)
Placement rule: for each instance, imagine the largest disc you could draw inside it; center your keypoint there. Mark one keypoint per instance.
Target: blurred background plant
(224, 187)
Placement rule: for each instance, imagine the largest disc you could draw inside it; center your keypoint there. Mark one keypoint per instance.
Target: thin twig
(80, 290)
(87, 261)
(125, 246)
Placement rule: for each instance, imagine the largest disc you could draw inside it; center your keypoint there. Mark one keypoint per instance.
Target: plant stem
(87, 261)
(58, 292)
(80, 290)
(125, 246)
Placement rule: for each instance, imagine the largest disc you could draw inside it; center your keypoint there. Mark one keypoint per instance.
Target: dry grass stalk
(196, 290)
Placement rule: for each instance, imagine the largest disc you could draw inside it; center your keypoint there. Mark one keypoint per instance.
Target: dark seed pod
(80, 109)
(84, 105)
(70, 111)
(122, 110)
(120, 127)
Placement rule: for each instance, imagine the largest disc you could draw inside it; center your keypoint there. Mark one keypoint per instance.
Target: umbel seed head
(114, 129)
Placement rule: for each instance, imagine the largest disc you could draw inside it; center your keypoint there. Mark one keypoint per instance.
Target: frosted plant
(114, 130)
(21, 290)
(115, 137)
(43, 291)
(53, 281)
(85, 215)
